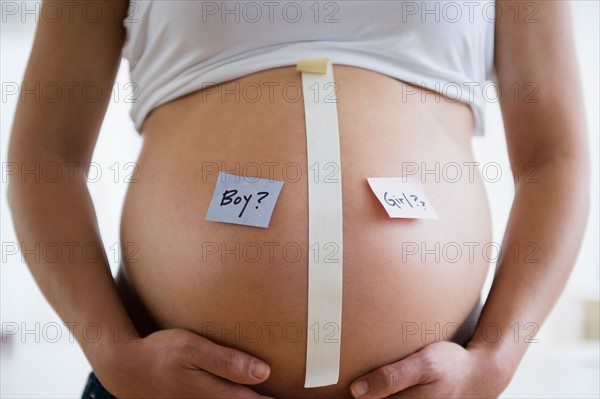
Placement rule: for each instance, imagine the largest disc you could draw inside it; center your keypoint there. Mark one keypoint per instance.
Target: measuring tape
(325, 233)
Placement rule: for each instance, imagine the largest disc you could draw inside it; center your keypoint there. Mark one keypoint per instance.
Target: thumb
(393, 378)
(231, 364)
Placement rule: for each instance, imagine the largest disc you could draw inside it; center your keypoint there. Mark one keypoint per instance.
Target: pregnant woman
(207, 309)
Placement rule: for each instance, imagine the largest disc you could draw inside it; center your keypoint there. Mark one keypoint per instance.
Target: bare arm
(73, 52)
(550, 213)
(81, 51)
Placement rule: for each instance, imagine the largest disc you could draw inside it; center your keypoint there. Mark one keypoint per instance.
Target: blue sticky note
(243, 200)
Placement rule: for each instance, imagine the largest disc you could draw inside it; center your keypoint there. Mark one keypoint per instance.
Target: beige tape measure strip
(324, 329)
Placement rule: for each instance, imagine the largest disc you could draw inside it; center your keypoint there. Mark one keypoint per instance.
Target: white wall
(560, 365)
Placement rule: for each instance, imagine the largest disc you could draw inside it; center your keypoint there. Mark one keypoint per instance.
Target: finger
(216, 387)
(393, 378)
(417, 392)
(229, 363)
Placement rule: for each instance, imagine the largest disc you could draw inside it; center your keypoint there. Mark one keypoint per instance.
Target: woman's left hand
(439, 370)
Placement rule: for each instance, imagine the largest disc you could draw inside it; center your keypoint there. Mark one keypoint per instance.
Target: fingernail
(259, 369)
(359, 388)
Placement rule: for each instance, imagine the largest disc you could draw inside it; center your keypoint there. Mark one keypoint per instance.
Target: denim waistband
(95, 390)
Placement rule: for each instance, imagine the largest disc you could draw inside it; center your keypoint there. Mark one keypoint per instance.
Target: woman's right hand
(179, 363)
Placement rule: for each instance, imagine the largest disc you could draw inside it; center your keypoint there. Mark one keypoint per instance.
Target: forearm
(548, 216)
(76, 280)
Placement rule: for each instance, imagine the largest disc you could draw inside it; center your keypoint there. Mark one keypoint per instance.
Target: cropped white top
(177, 47)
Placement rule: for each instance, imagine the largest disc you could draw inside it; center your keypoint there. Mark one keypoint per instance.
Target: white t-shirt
(177, 47)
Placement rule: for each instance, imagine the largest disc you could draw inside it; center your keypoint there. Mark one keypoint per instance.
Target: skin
(553, 213)
(183, 287)
(176, 362)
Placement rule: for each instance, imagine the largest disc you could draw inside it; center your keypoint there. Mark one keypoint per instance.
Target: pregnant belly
(406, 282)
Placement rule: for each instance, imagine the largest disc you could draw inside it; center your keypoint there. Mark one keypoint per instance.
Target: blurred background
(39, 359)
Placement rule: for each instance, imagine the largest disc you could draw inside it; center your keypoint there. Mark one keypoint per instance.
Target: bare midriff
(406, 282)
